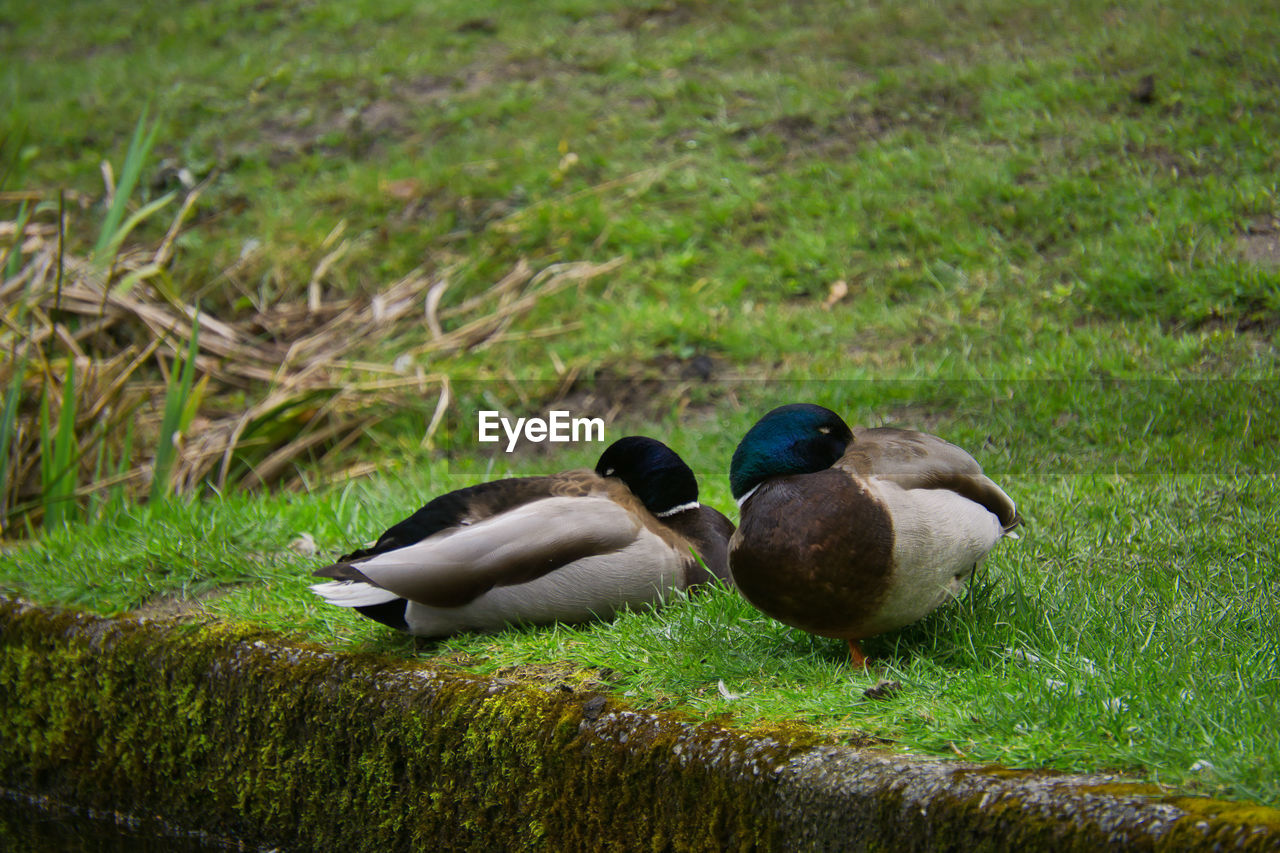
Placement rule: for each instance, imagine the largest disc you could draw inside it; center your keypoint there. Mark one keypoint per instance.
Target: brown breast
(814, 551)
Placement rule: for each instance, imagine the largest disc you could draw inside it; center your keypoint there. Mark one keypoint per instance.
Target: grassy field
(1047, 232)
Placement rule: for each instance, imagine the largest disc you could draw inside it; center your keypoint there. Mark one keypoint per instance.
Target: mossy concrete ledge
(235, 733)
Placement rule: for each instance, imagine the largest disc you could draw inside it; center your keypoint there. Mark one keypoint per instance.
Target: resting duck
(850, 533)
(529, 550)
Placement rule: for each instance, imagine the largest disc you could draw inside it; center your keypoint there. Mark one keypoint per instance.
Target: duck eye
(608, 472)
(825, 430)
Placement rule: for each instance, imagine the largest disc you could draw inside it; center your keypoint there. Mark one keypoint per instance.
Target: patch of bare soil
(655, 16)
(1260, 242)
(665, 385)
(654, 389)
(927, 108)
(359, 123)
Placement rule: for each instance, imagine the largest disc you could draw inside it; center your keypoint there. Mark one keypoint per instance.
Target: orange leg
(856, 657)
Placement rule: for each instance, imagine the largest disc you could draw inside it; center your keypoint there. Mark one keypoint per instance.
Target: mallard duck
(532, 550)
(850, 533)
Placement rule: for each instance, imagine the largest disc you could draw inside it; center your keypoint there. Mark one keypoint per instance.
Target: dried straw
(295, 363)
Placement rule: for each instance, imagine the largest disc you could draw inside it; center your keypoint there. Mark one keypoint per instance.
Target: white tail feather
(352, 593)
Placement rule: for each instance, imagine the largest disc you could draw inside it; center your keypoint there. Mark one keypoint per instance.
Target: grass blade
(175, 404)
(13, 257)
(8, 422)
(46, 454)
(112, 245)
(58, 451)
(65, 447)
(139, 149)
(93, 508)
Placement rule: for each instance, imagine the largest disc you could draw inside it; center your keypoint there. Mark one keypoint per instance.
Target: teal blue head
(797, 439)
(654, 473)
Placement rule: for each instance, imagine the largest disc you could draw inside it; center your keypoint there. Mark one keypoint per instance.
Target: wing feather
(513, 547)
(475, 503)
(917, 460)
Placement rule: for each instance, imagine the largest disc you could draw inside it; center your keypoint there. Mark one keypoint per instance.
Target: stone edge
(683, 785)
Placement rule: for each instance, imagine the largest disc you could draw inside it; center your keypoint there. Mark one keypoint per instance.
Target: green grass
(763, 151)
(178, 411)
(1132, 626)
(1042, 266)
(58, 450)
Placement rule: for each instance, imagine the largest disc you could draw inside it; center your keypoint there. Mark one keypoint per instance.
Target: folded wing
(917, 460)
(460, 564)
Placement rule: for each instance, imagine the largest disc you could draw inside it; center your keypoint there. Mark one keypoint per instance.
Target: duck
(849, 533)
(567, 547)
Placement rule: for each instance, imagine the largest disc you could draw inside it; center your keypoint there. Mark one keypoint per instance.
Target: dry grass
(114, 334)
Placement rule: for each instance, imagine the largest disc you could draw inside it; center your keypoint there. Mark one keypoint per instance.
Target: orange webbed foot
(856, 657)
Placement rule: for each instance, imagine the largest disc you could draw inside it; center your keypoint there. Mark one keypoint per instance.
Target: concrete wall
(241, 734)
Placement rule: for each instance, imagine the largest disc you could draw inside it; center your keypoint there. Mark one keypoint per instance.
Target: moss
(218, 729)
(237, 733)
(999, 771)
(1224, 825)
(1243, 813)
(1124, 789)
